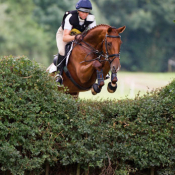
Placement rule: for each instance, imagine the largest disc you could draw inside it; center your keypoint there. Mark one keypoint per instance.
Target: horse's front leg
(87, 71)
(112, 86)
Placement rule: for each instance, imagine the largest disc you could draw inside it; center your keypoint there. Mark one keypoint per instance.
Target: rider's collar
(81, 20)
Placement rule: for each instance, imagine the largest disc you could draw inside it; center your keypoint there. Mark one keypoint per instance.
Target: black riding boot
(60, 66)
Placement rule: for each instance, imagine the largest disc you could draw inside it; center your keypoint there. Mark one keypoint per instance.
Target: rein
(97, 52)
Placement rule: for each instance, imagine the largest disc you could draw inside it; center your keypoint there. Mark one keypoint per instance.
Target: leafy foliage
(147, 45)
(29, 28)
(20, 34)
(38, 124)
(29, 111)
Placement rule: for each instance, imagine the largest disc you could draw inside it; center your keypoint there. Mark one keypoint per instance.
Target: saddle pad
(52, 68)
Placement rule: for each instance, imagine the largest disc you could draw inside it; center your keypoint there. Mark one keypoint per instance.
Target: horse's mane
(100, 25)
(93, 28)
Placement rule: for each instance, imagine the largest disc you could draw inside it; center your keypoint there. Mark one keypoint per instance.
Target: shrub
(38, 124)
(32, 115)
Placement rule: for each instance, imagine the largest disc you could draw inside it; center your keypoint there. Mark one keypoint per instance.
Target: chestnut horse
(94, 54)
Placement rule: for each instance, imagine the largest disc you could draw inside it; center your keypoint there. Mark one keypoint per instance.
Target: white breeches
(60, 43)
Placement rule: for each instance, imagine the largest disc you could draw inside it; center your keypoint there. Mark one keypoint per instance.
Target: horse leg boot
(60, 62)
(100, 78)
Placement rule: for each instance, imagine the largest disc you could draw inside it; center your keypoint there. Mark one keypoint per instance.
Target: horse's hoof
(95, 89)
(112, 87)
(93, 92)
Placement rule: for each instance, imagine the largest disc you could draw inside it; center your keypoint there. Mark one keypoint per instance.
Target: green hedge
(32, 115)
(38, 124)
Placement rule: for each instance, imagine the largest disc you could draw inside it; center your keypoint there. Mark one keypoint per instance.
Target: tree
(148, 40)
(20, 34)
(29, 28)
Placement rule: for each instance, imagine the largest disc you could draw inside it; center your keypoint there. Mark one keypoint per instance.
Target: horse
(94, 54)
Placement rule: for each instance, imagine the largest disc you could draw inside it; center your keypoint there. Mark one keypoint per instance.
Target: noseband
(97, 52)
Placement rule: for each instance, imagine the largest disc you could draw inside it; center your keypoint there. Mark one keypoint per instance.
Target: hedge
(40, 125)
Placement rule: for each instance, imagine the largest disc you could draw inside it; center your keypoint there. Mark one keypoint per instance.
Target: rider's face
(83, 15)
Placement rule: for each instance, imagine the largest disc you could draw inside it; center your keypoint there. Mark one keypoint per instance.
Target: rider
(78, 20)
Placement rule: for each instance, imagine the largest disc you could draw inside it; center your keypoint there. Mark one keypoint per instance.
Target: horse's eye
(109, 44)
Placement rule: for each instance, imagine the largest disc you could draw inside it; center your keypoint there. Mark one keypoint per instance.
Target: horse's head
(111, 47)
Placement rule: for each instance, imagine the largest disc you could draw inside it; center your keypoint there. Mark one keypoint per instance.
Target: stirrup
(59, 79)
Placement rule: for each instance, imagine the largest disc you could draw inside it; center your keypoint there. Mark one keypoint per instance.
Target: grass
(130, 84)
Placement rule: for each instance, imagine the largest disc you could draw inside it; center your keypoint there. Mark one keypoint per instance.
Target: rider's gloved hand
(78, 37)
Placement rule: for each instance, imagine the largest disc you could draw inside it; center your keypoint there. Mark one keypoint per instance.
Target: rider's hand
(78, 37)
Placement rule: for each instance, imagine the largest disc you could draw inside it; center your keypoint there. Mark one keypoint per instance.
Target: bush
(38, 124)
(32, 115)
(139, 133)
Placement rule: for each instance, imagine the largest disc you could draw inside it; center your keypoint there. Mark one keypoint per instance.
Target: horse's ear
(109, 30)
(121, 29)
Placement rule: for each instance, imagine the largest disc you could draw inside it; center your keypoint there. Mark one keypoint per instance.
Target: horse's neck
(95, 36)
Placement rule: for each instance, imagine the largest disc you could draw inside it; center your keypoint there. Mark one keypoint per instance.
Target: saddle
(68, 50)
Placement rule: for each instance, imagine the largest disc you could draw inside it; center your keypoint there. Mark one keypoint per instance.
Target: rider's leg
(60, 67)
(61, 47)
(60, 43)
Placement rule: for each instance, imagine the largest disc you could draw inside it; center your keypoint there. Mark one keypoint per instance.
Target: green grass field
(130, 84)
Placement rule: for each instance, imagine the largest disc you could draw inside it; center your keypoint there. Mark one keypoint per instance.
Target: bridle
(107, 56)
(99, 54)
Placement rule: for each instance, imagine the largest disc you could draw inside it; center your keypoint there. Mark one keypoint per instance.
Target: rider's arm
(66, 36)
(67, 29)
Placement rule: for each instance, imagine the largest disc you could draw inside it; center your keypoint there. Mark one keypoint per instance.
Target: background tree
(148, 39)
(29, 28)
(20, 34)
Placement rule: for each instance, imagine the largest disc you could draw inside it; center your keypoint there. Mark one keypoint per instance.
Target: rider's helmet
(84, 6)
